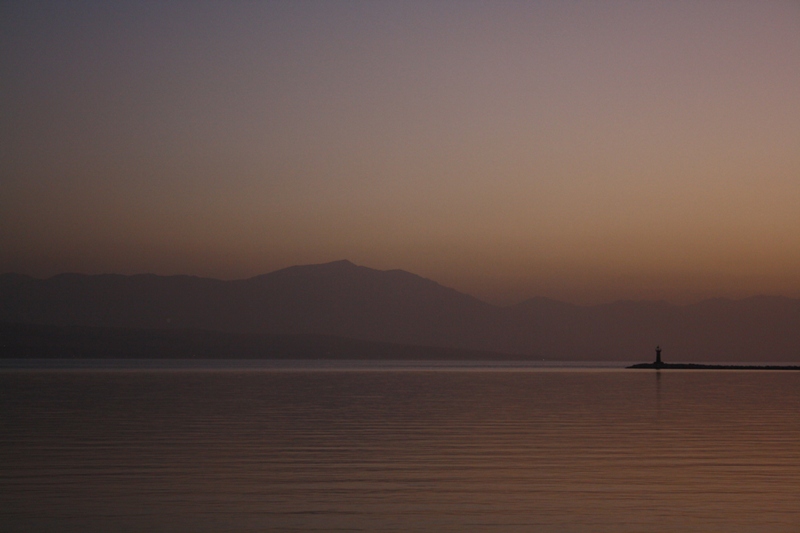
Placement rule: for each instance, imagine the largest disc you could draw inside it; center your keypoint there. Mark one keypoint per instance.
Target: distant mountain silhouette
(344, 300)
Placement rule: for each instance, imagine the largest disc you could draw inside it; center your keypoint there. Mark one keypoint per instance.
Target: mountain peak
(347, 300)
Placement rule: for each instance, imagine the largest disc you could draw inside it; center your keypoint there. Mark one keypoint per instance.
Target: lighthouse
(658, 357)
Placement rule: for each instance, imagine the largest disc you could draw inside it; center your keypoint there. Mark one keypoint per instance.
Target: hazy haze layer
(585, 151)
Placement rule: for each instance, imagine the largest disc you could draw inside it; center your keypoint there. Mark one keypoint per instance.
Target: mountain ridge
(351, 301)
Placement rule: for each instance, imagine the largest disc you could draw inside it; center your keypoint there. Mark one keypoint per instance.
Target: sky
(579, 150)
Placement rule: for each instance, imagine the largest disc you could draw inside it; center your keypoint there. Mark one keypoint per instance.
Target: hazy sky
(585, 151)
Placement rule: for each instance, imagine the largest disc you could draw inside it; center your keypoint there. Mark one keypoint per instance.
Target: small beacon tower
(658, 362)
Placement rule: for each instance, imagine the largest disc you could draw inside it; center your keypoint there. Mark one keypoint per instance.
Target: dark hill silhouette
(331, 299)
(36, 341)
(345, 300)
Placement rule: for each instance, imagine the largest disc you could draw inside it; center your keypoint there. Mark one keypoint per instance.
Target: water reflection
(658, 392)
(593, 450)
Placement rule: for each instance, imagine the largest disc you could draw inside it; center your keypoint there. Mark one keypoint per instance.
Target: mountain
(345, 300)
(337, 298)
(762, 328)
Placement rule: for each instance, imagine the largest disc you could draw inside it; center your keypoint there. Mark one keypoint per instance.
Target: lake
(412, 448)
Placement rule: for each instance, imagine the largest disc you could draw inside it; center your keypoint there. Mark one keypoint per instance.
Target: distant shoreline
(700, 366)
(49, 342)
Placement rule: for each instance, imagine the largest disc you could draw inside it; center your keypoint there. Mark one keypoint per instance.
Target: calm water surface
(572, 450)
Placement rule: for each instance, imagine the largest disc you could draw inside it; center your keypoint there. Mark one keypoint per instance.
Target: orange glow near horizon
(581, 151)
